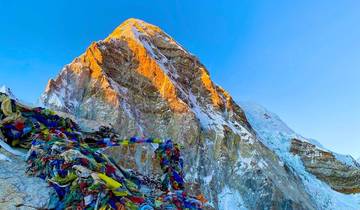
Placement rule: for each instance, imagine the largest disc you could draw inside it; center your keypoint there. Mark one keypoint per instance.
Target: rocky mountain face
(142, 83)
(342, 176)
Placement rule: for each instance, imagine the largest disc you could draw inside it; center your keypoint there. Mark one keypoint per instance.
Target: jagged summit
(146, 50)
(134, 28)
(130, 26)
(144, 83)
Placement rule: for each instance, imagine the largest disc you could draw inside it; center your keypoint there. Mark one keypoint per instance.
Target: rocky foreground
(71, 161)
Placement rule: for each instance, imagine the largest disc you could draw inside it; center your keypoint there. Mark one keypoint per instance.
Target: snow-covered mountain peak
(7, 91)
(267, 123)
(144, 33)
(143, 83)
(267, 120)
(132, 26)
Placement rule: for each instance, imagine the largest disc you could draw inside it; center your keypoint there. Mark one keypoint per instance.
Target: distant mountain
(144, 83)
(6, 90)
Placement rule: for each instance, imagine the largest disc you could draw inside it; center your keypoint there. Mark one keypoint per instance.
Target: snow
(158, 56)
(7, 91)
(55, 100)
(10, 149)
(211, 119)
(207, 179)
(4, 158)
(347, 160)
(59, 97)
(167, 37)
(3, 89)
(276, 135)
(230, 199)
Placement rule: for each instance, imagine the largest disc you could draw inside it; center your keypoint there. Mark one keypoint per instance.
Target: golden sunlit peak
(126, 29)
(133, 21)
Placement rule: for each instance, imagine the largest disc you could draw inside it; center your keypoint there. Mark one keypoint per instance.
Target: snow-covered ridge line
(277, 136)
(265, 121)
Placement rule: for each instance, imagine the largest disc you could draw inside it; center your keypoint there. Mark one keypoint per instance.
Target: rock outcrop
(342, 176)
(19, 191)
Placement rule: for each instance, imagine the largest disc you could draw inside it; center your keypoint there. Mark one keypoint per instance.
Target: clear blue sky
(300, 59)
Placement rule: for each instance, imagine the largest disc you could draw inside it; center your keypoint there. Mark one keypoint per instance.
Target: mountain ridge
(283, 140)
